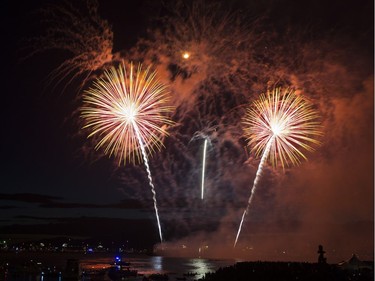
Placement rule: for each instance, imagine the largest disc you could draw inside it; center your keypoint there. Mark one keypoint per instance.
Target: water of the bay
(191, 268)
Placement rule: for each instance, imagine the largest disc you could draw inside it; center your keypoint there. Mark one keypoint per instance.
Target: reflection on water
(157, 263)
(201, 266)
(192, 269)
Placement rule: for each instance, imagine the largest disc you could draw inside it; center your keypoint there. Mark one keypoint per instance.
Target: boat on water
(116, 269)
(122, 270)
(118, 261)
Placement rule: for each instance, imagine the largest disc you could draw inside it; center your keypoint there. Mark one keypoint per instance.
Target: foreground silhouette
(285, 271)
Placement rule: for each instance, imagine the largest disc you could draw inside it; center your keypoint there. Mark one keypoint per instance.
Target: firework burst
(279, 125)
(122, 104)
(286, 119)
(127, 111)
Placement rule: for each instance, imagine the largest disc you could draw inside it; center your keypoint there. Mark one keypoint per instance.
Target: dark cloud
(29, 198)
(45, 201)
(34, 218)
(124, 204)
(7, 207)
(139, 232)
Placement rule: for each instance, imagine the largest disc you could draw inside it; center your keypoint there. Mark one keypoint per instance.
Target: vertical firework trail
(203, 167)
(258, 175)
(145, 159)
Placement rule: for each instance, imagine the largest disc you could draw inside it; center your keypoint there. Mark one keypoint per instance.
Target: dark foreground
(280, 271)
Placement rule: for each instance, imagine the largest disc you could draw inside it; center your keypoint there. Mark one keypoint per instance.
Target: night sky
(55, 183)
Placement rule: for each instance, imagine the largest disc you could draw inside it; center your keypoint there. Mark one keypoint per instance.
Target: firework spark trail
(277, 126)
(203, 167)
(145, 159)
(258, 175)
(79, 30)
(126, 112)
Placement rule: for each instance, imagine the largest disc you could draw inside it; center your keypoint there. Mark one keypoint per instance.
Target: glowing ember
(185, 55)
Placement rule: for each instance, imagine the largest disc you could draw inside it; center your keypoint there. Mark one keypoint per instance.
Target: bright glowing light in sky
(185, 55)
(129, 112)
(290, 119)
(276, 128)
(121, 102)
(278, 125)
